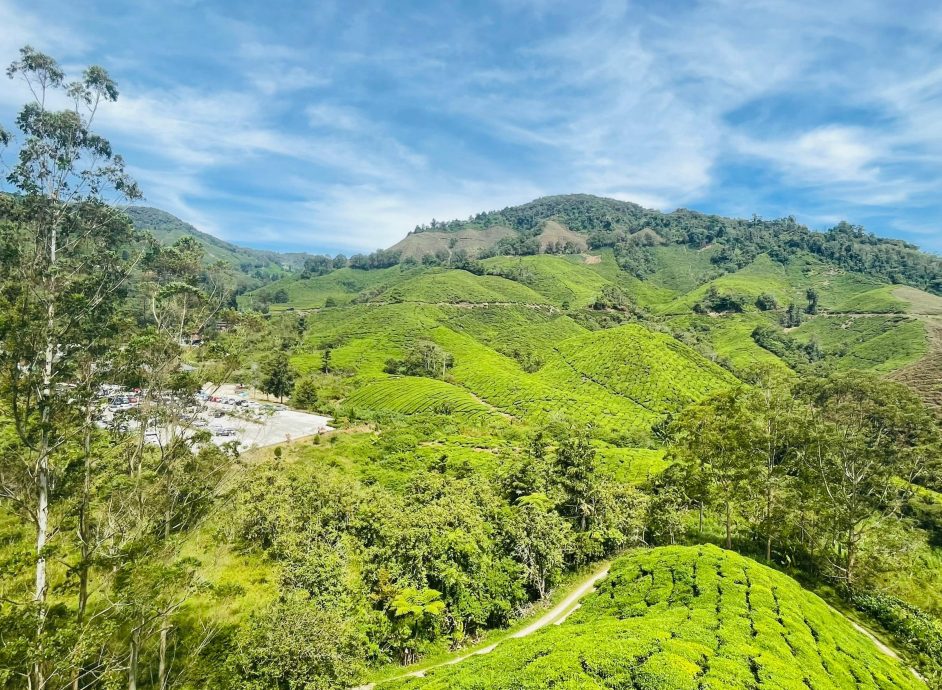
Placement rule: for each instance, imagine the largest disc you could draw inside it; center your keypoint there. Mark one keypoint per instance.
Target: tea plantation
(696, 618)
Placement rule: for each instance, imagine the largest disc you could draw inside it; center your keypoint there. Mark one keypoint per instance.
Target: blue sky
(337, 126)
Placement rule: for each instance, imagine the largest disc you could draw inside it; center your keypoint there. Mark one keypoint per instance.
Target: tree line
(814, 472)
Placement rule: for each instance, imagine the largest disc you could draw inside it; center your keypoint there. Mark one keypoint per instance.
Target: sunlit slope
(651, 369)
(558, 280)
(893, 299)
(527, 362)
(729, 337)
(411, 395)
(551, 392)
(695, 618)
(341, 287)
(874, 343)
(471, 240)
(436, 286)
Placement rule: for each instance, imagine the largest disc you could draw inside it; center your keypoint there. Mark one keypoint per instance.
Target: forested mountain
(257, 265)
(633, 230)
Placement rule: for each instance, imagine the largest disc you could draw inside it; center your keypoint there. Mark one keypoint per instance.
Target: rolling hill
(521, 307)
(685, 617)
(502, 391)
(257, 265)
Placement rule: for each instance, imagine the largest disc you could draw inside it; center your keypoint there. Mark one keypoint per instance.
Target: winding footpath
(556, 615)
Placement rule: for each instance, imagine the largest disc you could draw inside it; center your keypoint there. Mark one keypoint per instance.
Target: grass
(919, 302)
(925, 375)
(685, 617)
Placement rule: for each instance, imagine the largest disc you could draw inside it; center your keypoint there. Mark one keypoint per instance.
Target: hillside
(723, 286)
(257, 264)
(685, 617)
(860, 322)
(499, 426)
(636, 232)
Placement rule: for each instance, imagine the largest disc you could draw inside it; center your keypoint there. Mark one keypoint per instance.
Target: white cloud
(830, 153)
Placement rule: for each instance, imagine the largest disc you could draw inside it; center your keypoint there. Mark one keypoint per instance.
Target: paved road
(559, 613)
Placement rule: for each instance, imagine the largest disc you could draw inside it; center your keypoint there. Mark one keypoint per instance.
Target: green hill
(257, 264)
(721, 244)
(685, 617)
(651, 369)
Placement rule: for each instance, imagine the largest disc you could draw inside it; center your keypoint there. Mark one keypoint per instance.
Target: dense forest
(728, 426)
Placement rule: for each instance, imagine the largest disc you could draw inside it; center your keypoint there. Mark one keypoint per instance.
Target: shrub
(305, 393)
(720, 303)
(914, 629)
(766, 302)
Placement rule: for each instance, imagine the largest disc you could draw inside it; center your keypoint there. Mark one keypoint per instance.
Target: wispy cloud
(337, 126)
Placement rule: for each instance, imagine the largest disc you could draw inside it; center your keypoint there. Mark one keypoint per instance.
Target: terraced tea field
(411, 395)
(557, 279)
(838, 290)
(696, 618)
(438, 286)
(653, 370)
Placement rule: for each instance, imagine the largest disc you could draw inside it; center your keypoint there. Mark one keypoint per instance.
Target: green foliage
(278, 376)
(917, 632)
(821, 472)
(298, 643)
(787, 348)
(635, 259)
(680, 617)
(304, 394)
(254, 266)
(423, 358)
(766, 302)
(715, 302)
(792, 317)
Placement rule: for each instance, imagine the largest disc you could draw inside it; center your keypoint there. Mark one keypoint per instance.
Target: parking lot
(229, 415)
(278, 426)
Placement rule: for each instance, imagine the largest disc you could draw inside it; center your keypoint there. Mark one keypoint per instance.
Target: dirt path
(559, 613)
(877, 642)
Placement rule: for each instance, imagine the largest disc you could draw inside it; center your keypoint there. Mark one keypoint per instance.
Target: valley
(452, 381)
